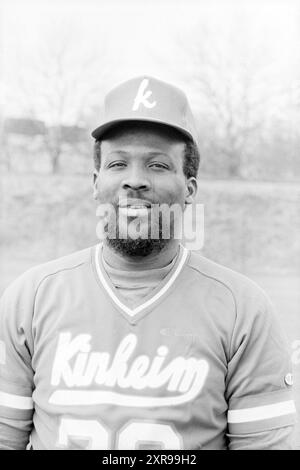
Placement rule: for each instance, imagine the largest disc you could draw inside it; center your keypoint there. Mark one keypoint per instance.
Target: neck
(140, 263)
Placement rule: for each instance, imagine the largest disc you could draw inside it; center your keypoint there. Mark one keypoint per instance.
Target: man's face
(141, 171)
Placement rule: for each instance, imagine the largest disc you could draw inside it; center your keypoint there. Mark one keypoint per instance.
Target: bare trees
(57, 84)
(230, 79)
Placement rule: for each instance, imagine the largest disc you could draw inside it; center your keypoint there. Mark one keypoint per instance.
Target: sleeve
(16, 374)
(259, 379)
(276, 439)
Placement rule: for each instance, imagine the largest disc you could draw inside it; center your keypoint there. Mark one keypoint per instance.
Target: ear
(95, 185)
(191, 190)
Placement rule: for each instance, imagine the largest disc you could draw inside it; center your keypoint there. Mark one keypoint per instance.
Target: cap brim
(101, 130)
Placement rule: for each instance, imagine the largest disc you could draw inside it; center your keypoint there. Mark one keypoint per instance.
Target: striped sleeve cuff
(15, 406)
(261, 413)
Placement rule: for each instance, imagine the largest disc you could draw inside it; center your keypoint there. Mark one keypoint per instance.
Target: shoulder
(255, 318)
(221, 274)
(29, 281)
(243, 291)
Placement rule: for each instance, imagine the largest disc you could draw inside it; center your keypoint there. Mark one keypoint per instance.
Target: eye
(159, 165)
(117, 164)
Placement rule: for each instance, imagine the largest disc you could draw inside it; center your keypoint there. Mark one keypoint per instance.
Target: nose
(136, 180)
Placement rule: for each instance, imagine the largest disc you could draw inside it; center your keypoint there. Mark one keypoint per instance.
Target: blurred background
(239, 63)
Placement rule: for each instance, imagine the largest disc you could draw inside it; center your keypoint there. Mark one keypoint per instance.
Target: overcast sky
(136, 37)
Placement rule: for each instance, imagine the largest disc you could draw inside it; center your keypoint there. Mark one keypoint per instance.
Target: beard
(152, 237)
(137, 248)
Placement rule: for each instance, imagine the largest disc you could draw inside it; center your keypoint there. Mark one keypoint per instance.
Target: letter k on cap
(142, 97)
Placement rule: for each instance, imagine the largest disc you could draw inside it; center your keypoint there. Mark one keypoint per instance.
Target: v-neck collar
(152, 298)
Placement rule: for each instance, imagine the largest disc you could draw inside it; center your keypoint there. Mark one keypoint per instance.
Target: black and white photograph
(149, 227)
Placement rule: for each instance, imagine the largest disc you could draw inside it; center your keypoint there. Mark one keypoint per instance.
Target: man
(137, 342)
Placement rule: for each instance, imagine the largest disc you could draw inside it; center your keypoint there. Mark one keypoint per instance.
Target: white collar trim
(129, 311)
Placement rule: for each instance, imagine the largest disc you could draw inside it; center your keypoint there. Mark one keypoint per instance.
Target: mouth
(134, 207)
(134, 204)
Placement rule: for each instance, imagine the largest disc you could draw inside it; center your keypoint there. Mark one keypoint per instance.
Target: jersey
(200, 360)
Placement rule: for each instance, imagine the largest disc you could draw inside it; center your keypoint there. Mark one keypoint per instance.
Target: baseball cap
(146, 98)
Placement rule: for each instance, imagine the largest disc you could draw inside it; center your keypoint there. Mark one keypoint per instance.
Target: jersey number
(93, 435)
